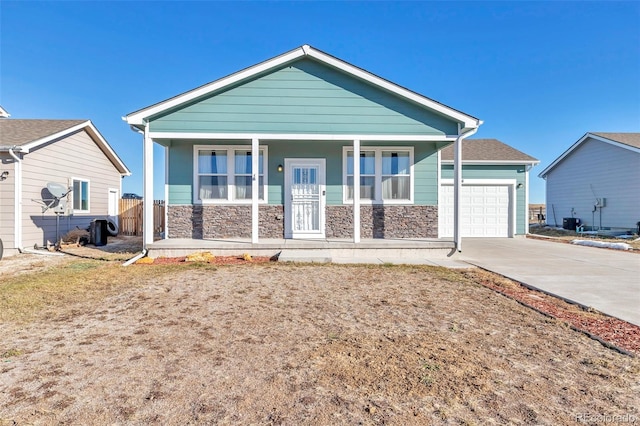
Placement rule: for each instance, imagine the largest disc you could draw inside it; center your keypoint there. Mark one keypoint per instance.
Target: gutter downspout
(144, 251)
(457, 187)
(17, 230)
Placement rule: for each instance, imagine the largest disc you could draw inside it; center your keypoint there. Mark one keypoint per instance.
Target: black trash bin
(570, 223)
(98, 232)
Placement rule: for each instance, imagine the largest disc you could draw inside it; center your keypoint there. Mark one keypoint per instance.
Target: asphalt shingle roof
(17, 132)
(631, 139)
(486, 150)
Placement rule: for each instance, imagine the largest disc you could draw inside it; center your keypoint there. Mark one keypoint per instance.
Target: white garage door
(485, 211)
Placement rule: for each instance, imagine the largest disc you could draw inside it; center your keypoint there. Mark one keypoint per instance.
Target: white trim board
(302, 136)
(141, 116)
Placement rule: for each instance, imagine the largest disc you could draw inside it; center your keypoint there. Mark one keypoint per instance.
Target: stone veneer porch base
(234, 221)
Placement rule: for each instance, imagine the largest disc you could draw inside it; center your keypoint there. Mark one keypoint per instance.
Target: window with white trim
(224, 174)
(386, 175)
(80, 195)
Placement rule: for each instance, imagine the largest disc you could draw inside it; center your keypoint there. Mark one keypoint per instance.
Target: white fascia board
(469, 122)
(93, 133)
(139, 117)
(573, 147)
(102, 142)
(302, 136)
(496, 163)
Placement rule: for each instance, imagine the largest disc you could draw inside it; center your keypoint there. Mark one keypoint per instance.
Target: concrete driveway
(607, 280)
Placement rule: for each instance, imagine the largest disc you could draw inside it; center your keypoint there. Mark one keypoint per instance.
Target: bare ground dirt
(299, 344)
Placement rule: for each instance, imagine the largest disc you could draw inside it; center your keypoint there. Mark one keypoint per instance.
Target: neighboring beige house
(71, 153)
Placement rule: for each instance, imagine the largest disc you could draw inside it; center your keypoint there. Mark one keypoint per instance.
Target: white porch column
(255, 188)
(147, 212)
(457, 189)
(356, 190)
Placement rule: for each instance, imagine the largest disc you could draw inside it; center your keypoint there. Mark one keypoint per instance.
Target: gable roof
(481, 151)
(138, 118)
(18, 132)
(27, 134)
(630, 141)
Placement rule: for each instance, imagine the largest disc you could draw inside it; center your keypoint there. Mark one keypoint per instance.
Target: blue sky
(539, 74)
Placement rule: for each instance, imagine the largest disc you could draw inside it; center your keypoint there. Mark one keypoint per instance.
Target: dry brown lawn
(90, 342)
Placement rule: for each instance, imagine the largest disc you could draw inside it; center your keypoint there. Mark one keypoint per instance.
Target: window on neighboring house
(80, 195)
(385, 175)
(224, 174)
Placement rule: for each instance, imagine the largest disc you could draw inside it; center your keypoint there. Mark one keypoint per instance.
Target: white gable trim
(93, 133)
(139, 117)
(573, 147)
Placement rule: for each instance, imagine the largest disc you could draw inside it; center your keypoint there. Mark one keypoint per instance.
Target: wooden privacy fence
(537, 213)
(131, 216)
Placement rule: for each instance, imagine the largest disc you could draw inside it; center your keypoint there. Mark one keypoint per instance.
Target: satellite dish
(58, 190)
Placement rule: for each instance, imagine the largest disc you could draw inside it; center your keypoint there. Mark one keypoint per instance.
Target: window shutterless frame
(394, 169)
(81, 195)
(228, 176)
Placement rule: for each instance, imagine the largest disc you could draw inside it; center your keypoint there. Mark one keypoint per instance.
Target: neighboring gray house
(596, 180)
(495, 190)
(71, 153)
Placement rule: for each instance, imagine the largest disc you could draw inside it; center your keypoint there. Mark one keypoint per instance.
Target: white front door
(304, 198)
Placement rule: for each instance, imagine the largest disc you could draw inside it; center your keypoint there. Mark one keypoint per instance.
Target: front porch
(436, 252)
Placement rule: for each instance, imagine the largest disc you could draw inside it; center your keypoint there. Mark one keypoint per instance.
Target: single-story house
(495, 196)
(41, 156)
(596, 180)
(268, 152)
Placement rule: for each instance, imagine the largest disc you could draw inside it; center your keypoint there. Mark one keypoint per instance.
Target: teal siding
(304, 97)
(425, 174)
(180, 173)
(181, 168)
(498, 172)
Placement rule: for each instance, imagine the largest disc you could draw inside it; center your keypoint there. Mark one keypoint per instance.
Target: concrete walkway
(607, 280)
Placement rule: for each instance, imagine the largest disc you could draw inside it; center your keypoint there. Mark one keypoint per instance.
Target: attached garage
(487, 210)
(495, 184)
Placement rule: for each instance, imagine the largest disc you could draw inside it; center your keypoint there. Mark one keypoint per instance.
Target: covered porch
(435, 252)
(302, 151)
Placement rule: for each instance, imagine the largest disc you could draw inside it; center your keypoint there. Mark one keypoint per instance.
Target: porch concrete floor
(437, 252)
